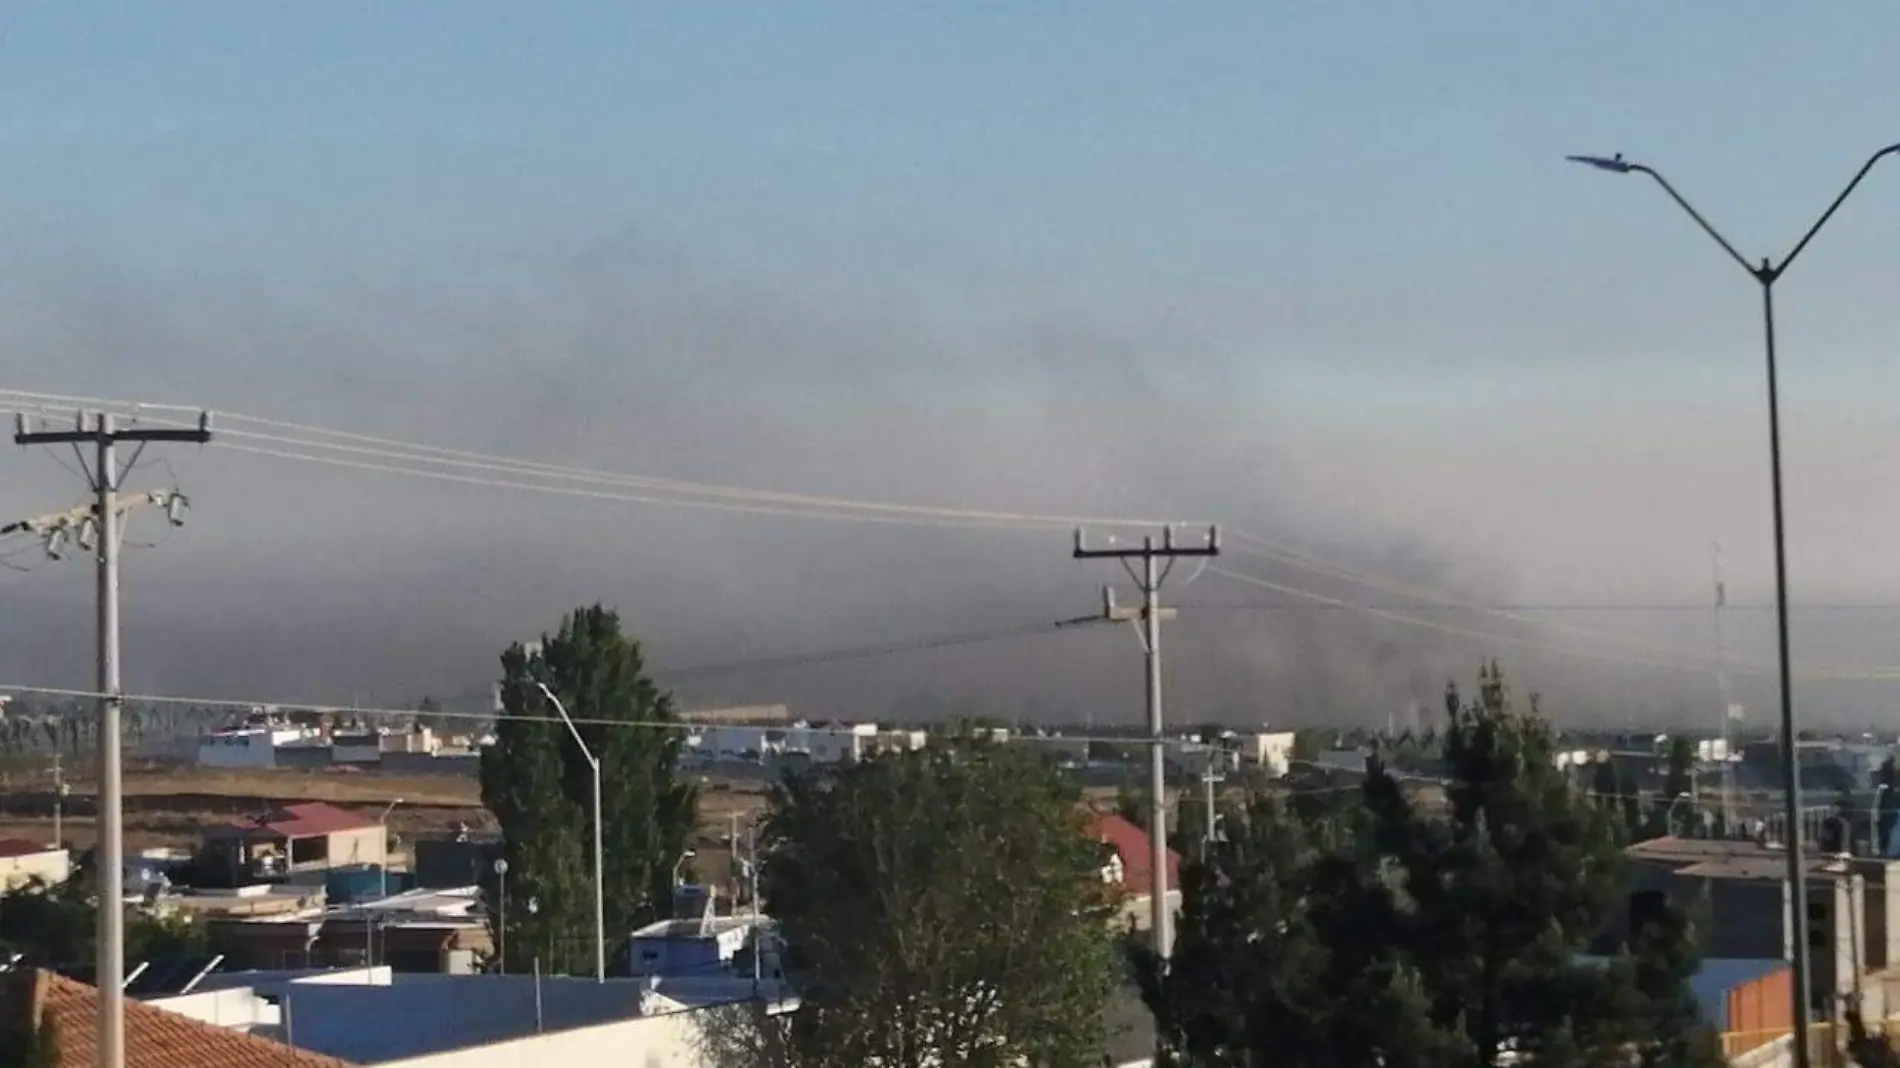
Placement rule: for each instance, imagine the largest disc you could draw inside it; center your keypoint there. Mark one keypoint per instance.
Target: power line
(424, 461)
(417, 453)
(486, 718)
(637, 498)
(864, 652)
(1831, 672)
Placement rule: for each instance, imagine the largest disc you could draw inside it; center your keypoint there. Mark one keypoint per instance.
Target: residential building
(699, 942)
(901, 740)
(418, 739)
(68, 1011)
(497, 1021)
(1270, 751)
(1129, 867)
(746, 714)
(22, 861)
(362, 746)
(839, 743)
(464, 860)
(1853, 920)
(246, 747)
(414, 932)
(305, 838)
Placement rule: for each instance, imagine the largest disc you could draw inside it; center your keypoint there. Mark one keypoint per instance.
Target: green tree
(1309, 743)
(1887, 789)
(1383, 931)
(24, 1044)
(53, 927)
(538, 784)
(938, 911)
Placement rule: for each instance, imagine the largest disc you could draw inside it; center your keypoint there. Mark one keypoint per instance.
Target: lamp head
(1615, 164)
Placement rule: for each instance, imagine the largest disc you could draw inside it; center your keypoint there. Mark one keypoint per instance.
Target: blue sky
(1336, 242)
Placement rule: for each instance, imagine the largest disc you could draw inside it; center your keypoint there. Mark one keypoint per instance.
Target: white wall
(51, 867)
(669, 1041)
(238, 1008)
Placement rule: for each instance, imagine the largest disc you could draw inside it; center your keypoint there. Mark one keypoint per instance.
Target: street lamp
(383, 822)
(1766, 274)
(685, 856)
(600, 900)
(501, 915)
(1873, 822)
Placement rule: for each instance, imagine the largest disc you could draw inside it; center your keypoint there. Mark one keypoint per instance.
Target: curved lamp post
(600, 900)
(1766, 274)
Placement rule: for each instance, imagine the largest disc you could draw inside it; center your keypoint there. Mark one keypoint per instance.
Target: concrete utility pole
(102, 526)
(1150, 578)
(1209, 779)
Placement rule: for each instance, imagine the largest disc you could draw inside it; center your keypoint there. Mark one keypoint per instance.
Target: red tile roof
(154, 1038)
(1133, 846)
(20, 847)
(309, 819)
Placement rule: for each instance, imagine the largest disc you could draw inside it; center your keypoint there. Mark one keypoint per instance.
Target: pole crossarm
(23, 435)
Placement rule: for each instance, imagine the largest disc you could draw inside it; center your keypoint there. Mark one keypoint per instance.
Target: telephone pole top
(1156, 563)
(100, 524)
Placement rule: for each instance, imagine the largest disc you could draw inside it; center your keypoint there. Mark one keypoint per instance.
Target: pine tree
(540, 788)
(1377, 930)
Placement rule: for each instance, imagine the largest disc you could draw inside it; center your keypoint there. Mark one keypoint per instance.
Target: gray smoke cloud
(301, 582)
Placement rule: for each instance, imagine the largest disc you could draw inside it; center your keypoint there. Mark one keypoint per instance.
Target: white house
(835, 743)
(245, 747)
(1271, 750)
(22, 862)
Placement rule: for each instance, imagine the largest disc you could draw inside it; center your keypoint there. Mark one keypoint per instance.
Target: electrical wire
(486, 718)
(426, 454)
(1263, 548)
(637, 498)
(1709, 660)
(1836, 673)
(861, 652)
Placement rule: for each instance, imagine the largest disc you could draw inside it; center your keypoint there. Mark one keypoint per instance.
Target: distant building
(301, 838)
(1853, 912)
(699, 942)
(1128, 866)
(417, 740)
(748, 714)
(901, 740)
(356, 747)
(22, 861)
(1271, 751)
(246, 747)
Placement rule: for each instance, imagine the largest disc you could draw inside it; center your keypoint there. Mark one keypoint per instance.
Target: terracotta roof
(1133, 846)
(154, 1038)
(309, 819)
(20, 847)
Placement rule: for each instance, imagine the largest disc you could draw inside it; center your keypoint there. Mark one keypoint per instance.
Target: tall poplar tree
(537, 782)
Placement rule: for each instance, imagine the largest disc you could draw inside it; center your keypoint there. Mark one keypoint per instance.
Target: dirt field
(168, 806)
